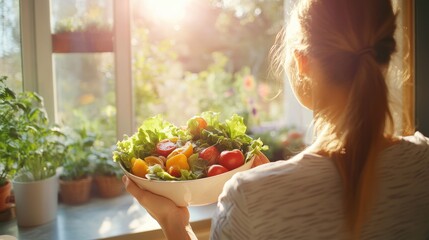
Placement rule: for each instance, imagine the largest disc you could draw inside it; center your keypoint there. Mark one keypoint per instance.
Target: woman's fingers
(132, 188)
(145, 198)
(160, 208)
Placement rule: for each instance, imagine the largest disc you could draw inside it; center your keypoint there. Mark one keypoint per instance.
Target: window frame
(37, 63)
(36, 50)
(408, 86)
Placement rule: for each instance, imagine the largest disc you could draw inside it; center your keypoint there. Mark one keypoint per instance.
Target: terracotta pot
(76, 191)
(82, 42)
(5, 196)
(109, 186)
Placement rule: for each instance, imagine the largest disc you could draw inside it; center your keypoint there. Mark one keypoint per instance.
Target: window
(204, 55)
(191, 56)
(10, 43)
(83, 63)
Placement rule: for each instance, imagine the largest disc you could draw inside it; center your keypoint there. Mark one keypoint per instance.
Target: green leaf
(187, 175)
(236, 126)
(9, 93)
(212, 118)
(156, 170)
(31, 128)
(197, 165)
(37, 97)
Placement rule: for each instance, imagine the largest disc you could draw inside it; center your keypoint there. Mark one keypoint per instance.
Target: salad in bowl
(190, 164)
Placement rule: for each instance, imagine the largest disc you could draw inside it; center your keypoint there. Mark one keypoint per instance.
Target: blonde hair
(353, 43)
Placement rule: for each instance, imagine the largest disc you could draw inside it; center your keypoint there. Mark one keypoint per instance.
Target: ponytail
(356, 139)
(363, 126)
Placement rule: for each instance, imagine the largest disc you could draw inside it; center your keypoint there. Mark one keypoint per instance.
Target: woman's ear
(301, 62)
(301, 85)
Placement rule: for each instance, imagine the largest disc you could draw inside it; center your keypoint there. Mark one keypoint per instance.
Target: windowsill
(118, 218)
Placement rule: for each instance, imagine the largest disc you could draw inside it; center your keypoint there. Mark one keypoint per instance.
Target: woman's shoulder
(418, 139)
(411, 153)
(302, 168)
(410, 145)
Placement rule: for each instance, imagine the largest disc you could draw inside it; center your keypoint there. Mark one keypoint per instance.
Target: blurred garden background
(188, 56)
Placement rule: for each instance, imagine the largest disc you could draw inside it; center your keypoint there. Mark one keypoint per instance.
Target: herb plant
(28, 143)
(105, 166)
(80, 148)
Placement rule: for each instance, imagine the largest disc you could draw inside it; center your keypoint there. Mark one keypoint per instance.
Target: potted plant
(34, 149)
(8, 164)
(76, 179)
(107, 174)
(71, 36)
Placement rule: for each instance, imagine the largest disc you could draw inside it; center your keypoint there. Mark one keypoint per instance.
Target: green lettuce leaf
(156, 172)
(143, 142)
(212, 118)
(198, 166)
(235, 126)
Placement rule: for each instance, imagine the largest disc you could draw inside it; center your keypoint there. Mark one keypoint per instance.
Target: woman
(357, 180)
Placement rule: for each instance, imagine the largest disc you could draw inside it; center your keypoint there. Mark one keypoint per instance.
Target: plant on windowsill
(70, 37)
(8, 164)
(75, 178)
(32, 148)
(107, 174)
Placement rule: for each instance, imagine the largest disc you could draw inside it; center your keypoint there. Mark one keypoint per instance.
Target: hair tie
(367, 50)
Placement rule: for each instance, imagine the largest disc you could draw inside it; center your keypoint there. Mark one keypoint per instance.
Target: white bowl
(196, 192)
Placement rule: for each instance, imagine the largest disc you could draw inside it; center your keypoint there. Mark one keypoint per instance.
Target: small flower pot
(5, 194)
(75, 192)
(82, 42)
(109, 186)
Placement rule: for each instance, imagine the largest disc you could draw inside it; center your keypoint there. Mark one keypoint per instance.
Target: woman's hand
(173, 220)
(260, 159)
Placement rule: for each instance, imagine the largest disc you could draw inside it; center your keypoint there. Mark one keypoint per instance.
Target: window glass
(10, 44)
(84, 65)
(191, 56)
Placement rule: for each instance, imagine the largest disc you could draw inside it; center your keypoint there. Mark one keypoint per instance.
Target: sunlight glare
(167, 10)
(106, 225)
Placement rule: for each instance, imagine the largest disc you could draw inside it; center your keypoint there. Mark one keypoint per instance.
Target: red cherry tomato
(165, 147)
(231, 159)
(216, 170)
(174, 171)
(210, 154)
